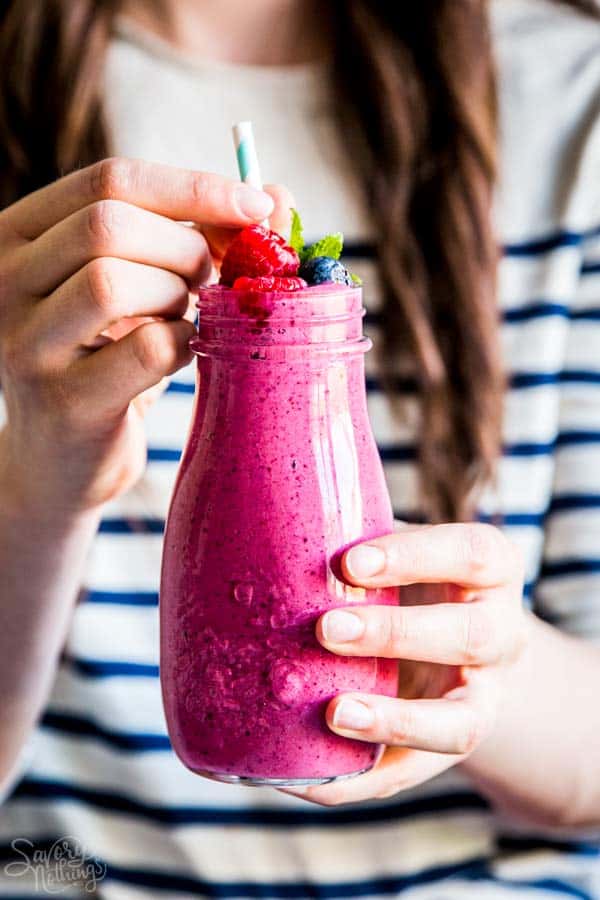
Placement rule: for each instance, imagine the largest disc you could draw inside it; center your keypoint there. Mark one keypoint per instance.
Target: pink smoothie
(279, 474)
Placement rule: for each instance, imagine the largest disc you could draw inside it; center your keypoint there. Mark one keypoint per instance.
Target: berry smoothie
(280, 473)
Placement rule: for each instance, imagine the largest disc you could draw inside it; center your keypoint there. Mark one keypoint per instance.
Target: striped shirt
(99, 767)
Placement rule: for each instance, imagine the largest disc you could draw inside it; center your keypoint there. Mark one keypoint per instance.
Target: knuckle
(18, 355)
(149, 350)
(478, 631)
(111, 178)
(100, 284)
(475, 729)
(481, 547)
(396, 632)
(201, 188)
(402, 727)
(102, 223)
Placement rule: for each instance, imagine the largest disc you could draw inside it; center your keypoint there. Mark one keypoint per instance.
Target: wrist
(26, 498)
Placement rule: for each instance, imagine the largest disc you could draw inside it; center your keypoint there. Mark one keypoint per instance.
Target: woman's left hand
(459, 628)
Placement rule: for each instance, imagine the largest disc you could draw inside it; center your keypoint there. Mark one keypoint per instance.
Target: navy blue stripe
(528, 589)
(408, 452)
(567, 502)
(181, 387)
(104, 668)
(528, 448)
(57, 791)
(132, 525)
(543, 245)
(389, 885)
(567, 376)
(573, 566)
(533, 247)
(589, 315)
(526, 844)
(514, 520)
(556, 241)
(590, 268)
(78, 726)
(517, 381)
(536, 309)
(551, 885)
(162, 454)
(569, 438)
(127, 598)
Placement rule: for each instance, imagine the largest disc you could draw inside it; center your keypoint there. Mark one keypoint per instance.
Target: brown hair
(415, 89)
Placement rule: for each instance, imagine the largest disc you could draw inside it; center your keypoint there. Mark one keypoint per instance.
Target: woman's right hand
(80, 262)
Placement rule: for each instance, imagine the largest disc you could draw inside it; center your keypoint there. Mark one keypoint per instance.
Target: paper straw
(247, 159)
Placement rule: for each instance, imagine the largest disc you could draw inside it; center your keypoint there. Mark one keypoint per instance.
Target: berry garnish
(319, 262)
(257, 251)
(324, 269)
(269, 283)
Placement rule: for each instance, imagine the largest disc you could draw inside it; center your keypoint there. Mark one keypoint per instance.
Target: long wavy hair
(416, 95)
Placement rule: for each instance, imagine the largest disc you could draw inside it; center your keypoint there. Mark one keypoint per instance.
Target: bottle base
(253, 781)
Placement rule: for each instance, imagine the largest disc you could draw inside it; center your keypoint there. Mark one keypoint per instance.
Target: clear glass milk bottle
(280, 473)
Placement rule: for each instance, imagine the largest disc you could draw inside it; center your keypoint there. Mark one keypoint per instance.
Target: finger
(398, 770)
(219, 239)
(281, 218)
(455, 725)
(472, 555)
(112, 228)
(105, 291)
(181, 194)
(482, 632)
(110, 378)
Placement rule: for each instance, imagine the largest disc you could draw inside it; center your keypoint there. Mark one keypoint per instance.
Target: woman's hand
(95, 278)
(457, 631)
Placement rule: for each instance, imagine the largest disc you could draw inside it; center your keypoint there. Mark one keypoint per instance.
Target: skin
(82, 357)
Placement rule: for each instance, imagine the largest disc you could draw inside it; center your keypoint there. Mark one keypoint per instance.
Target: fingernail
(252, 203)
(365, 560)
(353, 716)
(339, 626)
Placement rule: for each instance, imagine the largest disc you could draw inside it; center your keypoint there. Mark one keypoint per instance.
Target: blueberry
(323, 269)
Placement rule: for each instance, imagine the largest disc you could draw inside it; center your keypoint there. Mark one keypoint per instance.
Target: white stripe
(115, 633)
(125, 563)
(548, 276)
(573, 533)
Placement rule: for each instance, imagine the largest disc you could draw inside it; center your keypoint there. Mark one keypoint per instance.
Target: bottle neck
(266, 325)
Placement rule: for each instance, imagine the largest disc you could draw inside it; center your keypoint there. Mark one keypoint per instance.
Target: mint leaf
(356, 279)
(296, 233)
(332, 246)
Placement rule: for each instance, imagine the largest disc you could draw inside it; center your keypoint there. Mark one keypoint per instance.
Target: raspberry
(269, 283)
(257, 251)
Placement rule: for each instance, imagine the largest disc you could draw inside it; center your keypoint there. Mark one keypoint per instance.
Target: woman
(382, 119)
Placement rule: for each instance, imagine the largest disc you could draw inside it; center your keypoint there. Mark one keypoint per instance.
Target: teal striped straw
(247, 160)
